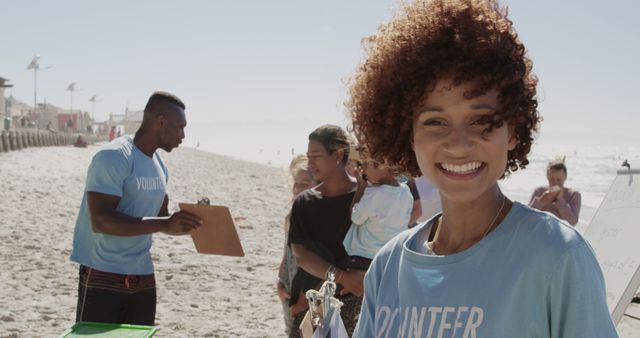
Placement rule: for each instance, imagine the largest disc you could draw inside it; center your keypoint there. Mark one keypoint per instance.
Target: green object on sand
(106, 330)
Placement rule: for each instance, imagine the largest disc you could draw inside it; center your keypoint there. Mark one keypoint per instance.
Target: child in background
(381, 209)
(302, 180)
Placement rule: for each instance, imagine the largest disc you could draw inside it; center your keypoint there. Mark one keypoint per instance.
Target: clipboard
(217, 235)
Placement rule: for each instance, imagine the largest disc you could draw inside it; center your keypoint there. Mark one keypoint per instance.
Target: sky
(288, 61)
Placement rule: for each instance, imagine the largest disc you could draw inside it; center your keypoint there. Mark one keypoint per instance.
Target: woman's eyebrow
(483, 106)
(431, 109)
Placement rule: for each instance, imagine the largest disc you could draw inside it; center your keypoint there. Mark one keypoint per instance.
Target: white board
(614, 233)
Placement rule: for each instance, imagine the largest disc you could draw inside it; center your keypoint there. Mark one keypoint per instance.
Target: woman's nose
(459, 141)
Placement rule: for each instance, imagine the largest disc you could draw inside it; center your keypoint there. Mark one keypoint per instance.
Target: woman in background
(320, 219)
(302, 180)
(555, 198)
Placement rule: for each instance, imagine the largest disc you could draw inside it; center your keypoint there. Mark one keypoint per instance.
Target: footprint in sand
(7, 319)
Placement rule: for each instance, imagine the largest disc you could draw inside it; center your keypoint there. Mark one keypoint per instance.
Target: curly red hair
(466, 40)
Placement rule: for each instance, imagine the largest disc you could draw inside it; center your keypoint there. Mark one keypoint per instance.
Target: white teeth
(461, 169)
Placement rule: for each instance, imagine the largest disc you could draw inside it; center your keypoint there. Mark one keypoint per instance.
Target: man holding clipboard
(126, 183)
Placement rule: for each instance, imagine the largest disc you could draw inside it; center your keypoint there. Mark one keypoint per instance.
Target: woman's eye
(433, 122)
(483, 120)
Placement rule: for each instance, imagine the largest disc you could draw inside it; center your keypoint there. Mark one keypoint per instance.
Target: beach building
(17, 111)
(73, 122)
(128, 122)
(48, 115)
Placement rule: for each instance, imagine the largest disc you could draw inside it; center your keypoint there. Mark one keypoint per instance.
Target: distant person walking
(112, 134)
(126, 182)
(69, 125)
(555, 198)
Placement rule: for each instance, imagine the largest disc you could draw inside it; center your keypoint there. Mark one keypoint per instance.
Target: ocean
(591, 169)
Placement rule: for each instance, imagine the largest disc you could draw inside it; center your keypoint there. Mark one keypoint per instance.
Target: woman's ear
(513, 140)
(339, 154)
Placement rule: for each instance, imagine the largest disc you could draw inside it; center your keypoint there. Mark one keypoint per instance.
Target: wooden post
(13, 144)
(4, 139)
(25, 139)
(19, 140)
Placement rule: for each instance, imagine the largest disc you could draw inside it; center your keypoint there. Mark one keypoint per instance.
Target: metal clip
(204, 200)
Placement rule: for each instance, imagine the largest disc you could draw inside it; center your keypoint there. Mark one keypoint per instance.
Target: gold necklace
(431, 245)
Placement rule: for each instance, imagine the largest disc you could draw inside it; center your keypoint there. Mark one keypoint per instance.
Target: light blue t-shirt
(121, 169)
(533, 276)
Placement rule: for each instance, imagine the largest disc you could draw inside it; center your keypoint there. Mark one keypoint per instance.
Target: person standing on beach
(447, 90)
(112, 133)
(126, 182)
(319, 222)
(302, 180)
(555, 198)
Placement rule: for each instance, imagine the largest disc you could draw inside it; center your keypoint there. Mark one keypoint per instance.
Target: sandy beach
(198, 295)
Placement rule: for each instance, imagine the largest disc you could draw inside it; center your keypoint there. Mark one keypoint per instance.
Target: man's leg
(98, 305)
(141, 308)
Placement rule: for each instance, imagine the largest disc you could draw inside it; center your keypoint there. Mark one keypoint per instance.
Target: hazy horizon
(287, 61)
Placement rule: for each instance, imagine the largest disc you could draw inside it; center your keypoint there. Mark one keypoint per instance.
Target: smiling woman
(446, 90)
(453, 142)
(320, 219)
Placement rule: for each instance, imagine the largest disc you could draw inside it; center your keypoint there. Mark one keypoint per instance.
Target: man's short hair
(159, 96)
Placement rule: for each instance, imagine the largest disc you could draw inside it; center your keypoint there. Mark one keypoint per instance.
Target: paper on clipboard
(218, 234)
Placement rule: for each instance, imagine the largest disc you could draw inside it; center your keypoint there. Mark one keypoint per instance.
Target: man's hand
(351, 281)
(181, 223)
(283, 294)
(301, 304)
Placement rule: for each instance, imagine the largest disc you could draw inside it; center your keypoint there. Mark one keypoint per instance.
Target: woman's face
(302, 181)
(556, 177)
(451, 147)
(323, 164)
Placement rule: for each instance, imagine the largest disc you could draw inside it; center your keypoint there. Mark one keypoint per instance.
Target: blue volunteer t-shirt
(533, 276)
(121, 169)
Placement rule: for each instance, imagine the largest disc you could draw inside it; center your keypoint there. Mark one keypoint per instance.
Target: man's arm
(315, 265)
(164, 209)
(105, 219)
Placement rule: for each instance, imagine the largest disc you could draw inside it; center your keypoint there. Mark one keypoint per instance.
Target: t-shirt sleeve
(295, 223)
(578, 297)
(164, 169)
(364, 209)
(107, 172)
